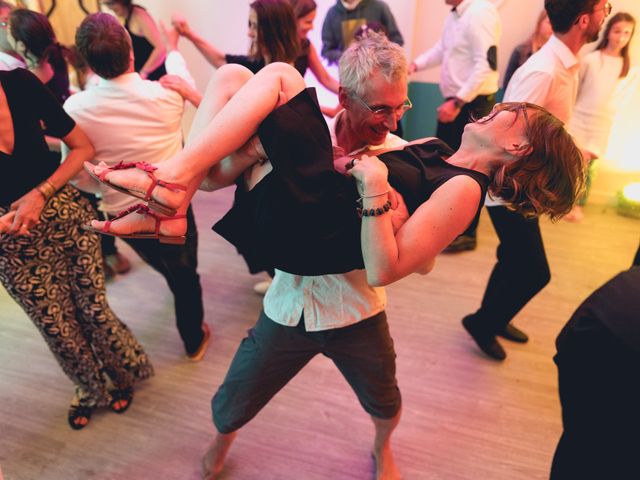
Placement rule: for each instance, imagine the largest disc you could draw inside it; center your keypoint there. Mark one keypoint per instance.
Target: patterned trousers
(56, 275)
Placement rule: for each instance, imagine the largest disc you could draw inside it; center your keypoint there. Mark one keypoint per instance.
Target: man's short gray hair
(374, 52)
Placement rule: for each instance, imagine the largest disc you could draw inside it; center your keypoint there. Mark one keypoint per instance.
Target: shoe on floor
(118, 263)
(261, 287)
(79, 415)
(121, 399)
(198, 354)
(463, 243)
(486, 342)
(514, 334)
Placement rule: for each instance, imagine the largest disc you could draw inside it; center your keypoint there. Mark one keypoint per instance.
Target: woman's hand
(370, 173)
(170, 36)
(26, 213)
(181, 25)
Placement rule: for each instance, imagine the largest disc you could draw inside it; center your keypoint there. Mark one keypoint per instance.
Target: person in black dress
(148, 48)
(48, 264)
(273, 35)
(32, 36)
(509, 147)
(598, 359)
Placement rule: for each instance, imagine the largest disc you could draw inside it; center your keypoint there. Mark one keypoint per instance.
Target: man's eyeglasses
(607, 9)
(384, 111)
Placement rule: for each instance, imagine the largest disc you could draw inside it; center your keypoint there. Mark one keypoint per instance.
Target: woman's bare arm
(150, 31)
(389, 257)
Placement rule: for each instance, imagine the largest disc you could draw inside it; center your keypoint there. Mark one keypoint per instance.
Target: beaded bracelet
(374, 212)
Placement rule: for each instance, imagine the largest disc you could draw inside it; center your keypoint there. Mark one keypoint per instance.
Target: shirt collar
(462, 7)
(564, 53)
(121, 80)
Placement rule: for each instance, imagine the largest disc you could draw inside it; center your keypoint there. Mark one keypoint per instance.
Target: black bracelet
(374, 212)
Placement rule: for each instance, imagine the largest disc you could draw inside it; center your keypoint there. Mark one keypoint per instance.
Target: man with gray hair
(338, 315)
(9, 59)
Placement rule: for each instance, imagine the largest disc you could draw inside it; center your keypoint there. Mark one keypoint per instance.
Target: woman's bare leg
(218, 134)
(233, 107)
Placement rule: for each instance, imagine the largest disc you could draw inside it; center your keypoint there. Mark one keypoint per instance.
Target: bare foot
(386, 468)
(213, 460)
(138, 181)
(141, 222)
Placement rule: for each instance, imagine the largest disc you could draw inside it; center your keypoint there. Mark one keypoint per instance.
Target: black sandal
(77, 412)
(120, 395)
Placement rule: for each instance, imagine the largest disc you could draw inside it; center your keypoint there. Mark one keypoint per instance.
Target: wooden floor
(464, 417)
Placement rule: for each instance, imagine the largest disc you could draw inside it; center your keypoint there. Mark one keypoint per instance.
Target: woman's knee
(232, 76)
(290, 79)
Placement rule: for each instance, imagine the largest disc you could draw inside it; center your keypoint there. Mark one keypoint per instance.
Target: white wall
(223, 23)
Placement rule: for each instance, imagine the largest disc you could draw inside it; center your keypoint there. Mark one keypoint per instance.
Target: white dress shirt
(129, 119)
(328, 301)
(9, 62)
(595, 108)
(469, 32)
(549, 78)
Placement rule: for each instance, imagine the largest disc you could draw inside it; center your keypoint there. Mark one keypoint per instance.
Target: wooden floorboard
(464, 417)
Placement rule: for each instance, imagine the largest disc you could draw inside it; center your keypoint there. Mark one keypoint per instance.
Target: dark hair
(550, 177)
(34, 30)
(128, 4)
(302, 8)
(367, 28)
(564, 13)
(624, 53)
(104, 44)
(277, 31)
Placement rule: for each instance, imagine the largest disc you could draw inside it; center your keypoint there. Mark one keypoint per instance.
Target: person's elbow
(379, 278)
(427, 267)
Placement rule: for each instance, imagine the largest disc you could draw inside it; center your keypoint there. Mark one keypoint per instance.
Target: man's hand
(448, 111)
(412, 68)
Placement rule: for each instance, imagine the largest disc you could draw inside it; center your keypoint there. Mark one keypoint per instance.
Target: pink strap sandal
(155, 182)
(143, 210)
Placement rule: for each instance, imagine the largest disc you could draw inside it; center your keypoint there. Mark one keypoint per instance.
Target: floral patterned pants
(56, 275)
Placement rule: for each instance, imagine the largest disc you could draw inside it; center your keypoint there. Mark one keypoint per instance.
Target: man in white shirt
(129, 119)
(9, 59)
(338, 315)
(549, 78)
(467, 52)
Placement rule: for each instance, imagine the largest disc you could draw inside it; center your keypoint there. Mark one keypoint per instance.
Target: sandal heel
(173, 240)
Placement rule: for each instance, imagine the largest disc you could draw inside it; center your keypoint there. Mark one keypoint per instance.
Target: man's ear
(343, 97)
(583, 21)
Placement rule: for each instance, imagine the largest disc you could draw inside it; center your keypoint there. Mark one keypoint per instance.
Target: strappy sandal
(142, 210)
(147, 196)
(120, 395)
(78, 412)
